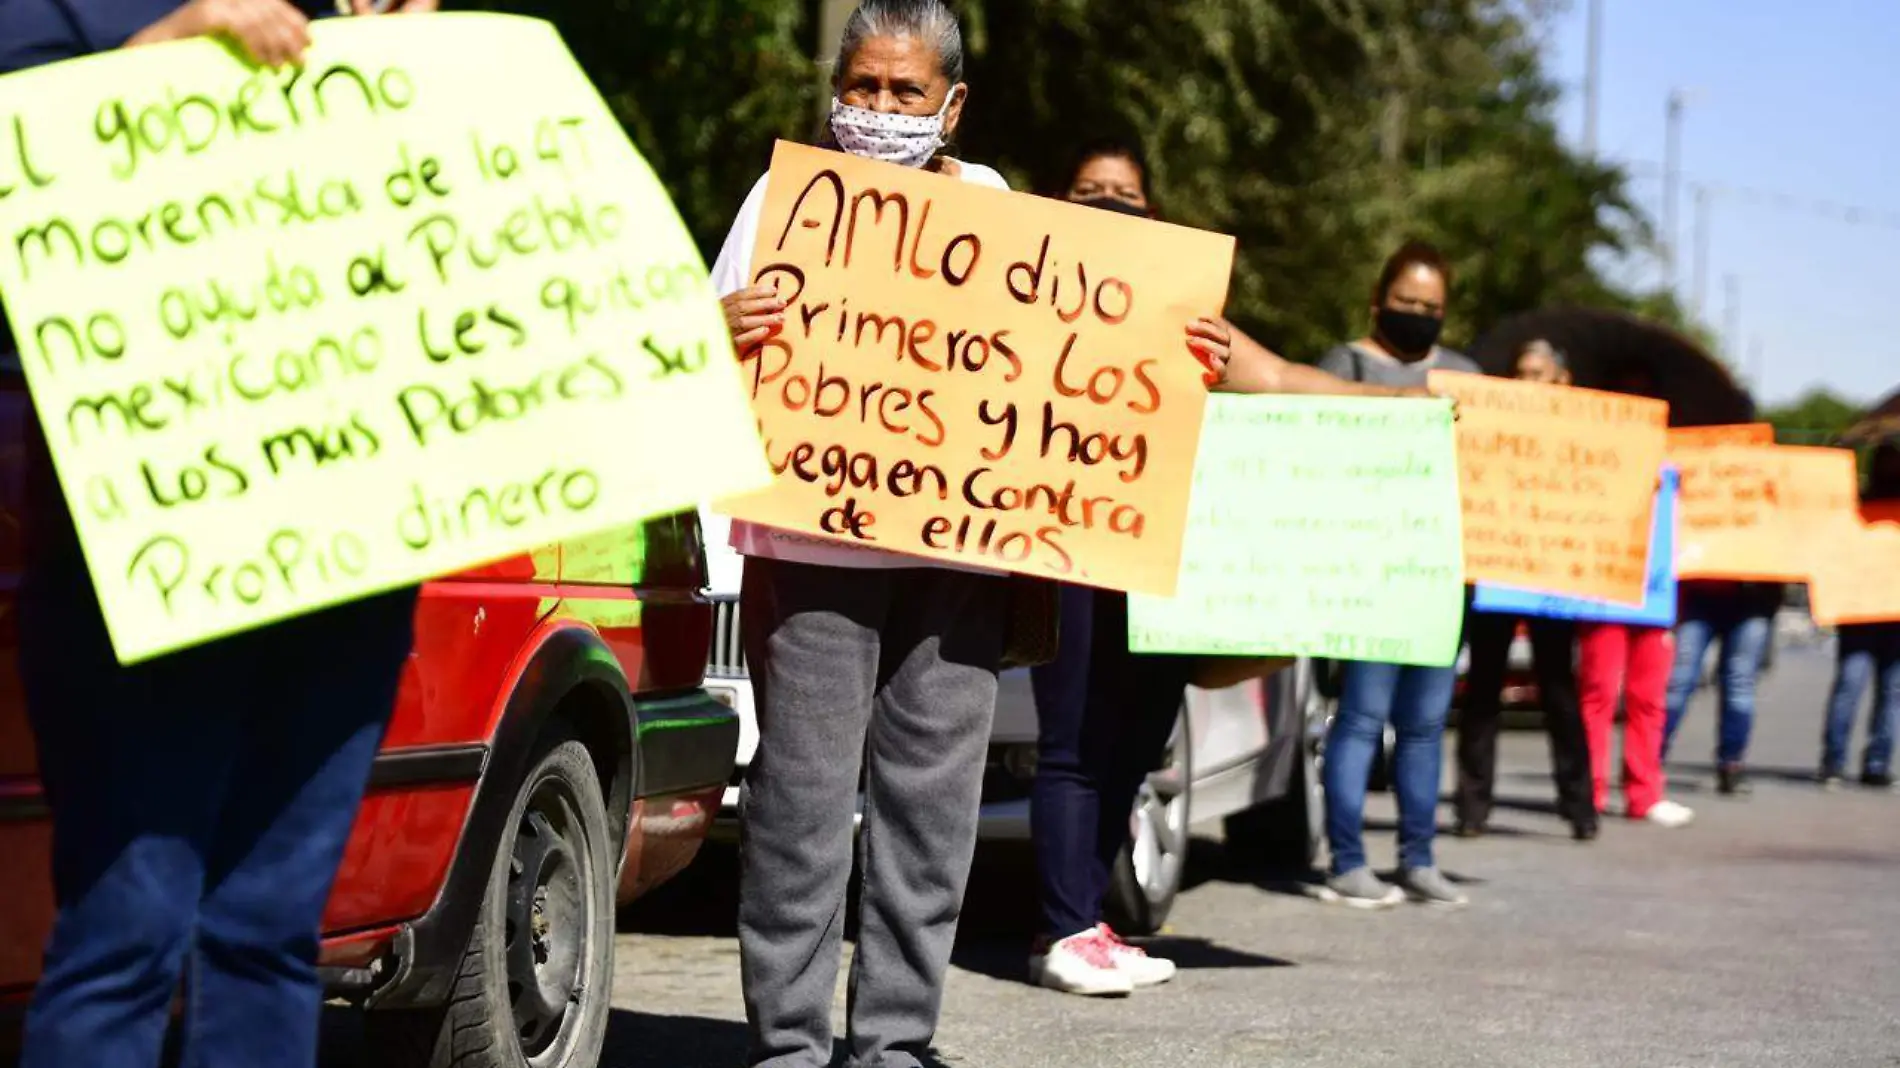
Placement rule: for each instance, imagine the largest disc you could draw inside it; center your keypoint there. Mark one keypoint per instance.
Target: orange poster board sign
(1856, 579)
(1755, 512)
(1702, 437)
(1558, 485)
(978, 376)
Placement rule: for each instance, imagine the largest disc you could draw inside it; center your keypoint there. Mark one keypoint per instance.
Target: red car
(480, 883)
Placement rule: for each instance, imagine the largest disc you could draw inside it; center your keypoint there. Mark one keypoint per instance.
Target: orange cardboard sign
(1558, 485)
(1754, 512)
(1702, 437)
(1856, 578)
(978, 376)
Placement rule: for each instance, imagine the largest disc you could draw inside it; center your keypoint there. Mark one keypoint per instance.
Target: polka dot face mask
(907, 140)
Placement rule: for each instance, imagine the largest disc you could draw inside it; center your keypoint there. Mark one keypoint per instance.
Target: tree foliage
(1318, 132)
(1816, 418)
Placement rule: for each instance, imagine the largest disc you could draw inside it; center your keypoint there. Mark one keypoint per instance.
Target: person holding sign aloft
(855, 650)
(1105, 714)
(1553, 653)
(200, 801)
(1408, 312)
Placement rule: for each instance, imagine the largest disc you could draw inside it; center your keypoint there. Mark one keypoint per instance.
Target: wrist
(173, 27)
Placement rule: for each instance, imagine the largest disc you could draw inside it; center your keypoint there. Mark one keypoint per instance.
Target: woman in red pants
(1635, 660)
(1631, 661)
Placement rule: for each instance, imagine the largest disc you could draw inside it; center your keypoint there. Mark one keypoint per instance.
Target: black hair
(1557, 355)
(1110, 148)
(1411, 254)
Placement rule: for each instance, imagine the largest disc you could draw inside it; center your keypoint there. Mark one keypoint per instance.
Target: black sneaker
(1584, 830)
(1877, 780)
(1732, 781)
(1470, 829)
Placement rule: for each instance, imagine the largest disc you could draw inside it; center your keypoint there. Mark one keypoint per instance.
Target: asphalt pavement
(1767, 934)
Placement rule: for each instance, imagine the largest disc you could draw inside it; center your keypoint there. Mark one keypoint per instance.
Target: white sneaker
(1081, 964)
(1134, 962)
(1669, 814)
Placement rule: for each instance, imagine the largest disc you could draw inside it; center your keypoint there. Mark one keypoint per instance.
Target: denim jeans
(1868, 653)
(1744, 640)
(1415, 699)
(201, 802)
(1104, 716)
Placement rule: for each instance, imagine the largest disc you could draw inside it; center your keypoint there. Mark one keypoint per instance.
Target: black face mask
(1115, 204)
(1410, 333)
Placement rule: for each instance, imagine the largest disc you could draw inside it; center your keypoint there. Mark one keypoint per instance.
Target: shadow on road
(644, 1040)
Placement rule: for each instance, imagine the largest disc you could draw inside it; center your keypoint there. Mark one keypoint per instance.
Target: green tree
(1816, 418)
(702, 86)
(1320, 133)
(1317, 132)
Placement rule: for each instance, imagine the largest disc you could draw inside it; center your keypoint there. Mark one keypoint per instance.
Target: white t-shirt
(731, 273)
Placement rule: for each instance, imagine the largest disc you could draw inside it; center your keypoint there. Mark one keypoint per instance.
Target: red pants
(1632, 662)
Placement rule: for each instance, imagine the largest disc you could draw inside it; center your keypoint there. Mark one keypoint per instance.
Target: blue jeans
(200, 804)
(1744, 638)
(1415, 699)
(1867, 653)
(1104, 716)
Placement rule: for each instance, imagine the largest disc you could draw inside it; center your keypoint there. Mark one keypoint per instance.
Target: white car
(1247, 754)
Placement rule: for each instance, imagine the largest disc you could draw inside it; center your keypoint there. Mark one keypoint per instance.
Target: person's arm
(271, 31)
(1254, 368)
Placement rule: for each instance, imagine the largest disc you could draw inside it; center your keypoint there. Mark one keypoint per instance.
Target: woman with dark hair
(1740, 616)
(1553, 656)
(1408, 314)
(1104, 713)
(1867, 653)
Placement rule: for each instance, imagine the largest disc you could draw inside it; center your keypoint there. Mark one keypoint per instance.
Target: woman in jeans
(1866, 653)
(1739, 615)
(1408, 314)
(1105, 714)
(201, 800)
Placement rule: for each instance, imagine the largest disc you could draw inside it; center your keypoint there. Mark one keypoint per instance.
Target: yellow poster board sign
(977, 376)
(296, 337)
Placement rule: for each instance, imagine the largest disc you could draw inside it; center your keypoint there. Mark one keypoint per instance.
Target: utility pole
(1699, 279)
(1672, 159)
(1592, 78)
(1732, 316)
(831, 17)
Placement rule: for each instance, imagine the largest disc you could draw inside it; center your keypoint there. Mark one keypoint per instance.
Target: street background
(1767, 934)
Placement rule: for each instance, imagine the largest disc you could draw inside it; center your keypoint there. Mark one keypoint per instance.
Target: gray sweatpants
(894, 670)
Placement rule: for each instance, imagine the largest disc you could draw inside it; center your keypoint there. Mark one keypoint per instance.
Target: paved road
(1766, 935)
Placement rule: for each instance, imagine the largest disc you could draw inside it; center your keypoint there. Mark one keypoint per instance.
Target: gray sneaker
(1359, 889)
(1429, 886)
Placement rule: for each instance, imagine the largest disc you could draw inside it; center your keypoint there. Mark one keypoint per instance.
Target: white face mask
(907, 140)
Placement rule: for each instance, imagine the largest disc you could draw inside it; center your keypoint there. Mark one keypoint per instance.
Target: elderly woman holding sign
(860, 653)
(200, 801)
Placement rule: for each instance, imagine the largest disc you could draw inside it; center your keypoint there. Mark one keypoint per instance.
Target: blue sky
(1794, 98)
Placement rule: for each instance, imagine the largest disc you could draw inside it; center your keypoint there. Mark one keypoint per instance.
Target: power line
(1793, 203)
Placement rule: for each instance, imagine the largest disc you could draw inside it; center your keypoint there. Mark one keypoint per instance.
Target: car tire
(534, 987)
(1149, 871)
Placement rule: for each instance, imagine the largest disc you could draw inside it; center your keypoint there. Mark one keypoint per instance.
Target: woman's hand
(272, 32)
(753, 315)
(395, 7)
(1428, 393)
(1212, 343)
